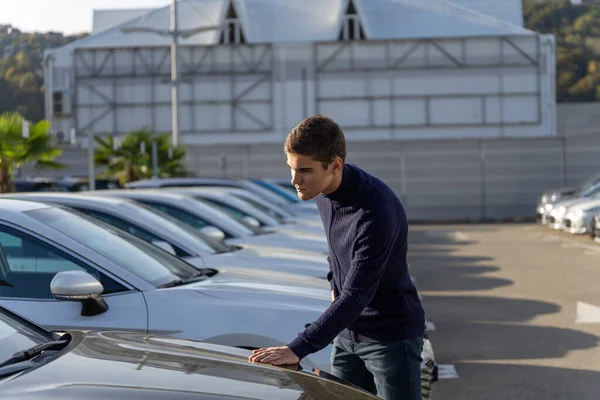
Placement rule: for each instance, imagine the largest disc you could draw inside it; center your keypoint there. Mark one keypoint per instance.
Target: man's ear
(337, 164)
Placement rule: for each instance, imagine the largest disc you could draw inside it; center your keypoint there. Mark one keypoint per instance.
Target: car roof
(82, 197)
(166, 181)
(146, 193)
(14, 205)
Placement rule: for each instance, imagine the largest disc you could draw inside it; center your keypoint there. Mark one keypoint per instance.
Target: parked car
(34, 184)
(547, 200)
(239, 208)
(284, 183)
(78, 364)
(78, 184)
(178, 238)
(595, 228)
(294, 206)
(234, 231)
(578, 218)
(293, 197)
(64, 270)
(556, 216)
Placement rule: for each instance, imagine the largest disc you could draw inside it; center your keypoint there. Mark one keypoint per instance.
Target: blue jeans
(392, 371)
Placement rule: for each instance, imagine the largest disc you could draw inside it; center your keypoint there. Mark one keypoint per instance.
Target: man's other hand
(275, 356)
(332, 296)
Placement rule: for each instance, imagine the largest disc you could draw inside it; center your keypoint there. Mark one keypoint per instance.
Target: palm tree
(17, 151)
(126, 161)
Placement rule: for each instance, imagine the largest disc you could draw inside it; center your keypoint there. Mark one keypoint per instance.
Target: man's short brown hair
(318, 136)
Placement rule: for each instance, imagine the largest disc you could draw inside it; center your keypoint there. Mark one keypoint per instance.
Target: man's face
(309, 176)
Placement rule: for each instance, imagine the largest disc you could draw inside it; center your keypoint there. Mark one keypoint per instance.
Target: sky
(66, 16)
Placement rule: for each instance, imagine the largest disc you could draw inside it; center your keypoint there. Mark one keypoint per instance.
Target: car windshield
(17, 335)
(224, 221)
(176, 230)
(143, 259)
(588, 184)
(273, 213)
(211, 244)
(277, 189)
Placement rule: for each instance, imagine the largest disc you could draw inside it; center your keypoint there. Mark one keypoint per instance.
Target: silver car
(178, 238)
(64, 270)
(239, 208)
(200, 215)
(295, 207)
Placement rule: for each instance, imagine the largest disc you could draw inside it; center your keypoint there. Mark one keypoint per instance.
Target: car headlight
(544, 199)
(548, 207)
(555, 196)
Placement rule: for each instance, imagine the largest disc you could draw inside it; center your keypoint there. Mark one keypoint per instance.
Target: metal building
(384, 69)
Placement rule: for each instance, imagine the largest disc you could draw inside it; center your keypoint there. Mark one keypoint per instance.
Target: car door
(32, 264)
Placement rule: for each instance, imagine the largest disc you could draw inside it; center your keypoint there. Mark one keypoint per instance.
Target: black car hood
(119, 365)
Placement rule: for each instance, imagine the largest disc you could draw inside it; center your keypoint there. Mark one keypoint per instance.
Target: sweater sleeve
(371, 250)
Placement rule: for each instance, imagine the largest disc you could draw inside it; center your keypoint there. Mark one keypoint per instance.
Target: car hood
(565, 191)
(570, 202)
(112, 365)
(586, 205)
(281, 241)
(277, 261)
(260, 284)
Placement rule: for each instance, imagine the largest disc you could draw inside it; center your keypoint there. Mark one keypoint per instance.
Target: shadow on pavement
(457, 309)
(521, 382)
(445, 273)
(482, 334)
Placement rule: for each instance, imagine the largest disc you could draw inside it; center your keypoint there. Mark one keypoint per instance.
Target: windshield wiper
(200, 275)
(34, 351)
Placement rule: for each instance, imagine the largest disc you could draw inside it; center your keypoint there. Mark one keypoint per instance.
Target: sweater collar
(348, 189)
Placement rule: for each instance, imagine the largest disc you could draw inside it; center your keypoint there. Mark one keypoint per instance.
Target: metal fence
(476, 179)
(473, 179)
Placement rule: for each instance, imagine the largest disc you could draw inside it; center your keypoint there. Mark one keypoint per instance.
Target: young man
(376, 317)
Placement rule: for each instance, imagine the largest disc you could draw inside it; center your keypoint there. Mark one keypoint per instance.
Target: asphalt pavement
(516, 310)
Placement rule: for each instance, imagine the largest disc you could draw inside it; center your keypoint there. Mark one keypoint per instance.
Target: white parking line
(587, 313)
(429, 326)
(447, 371)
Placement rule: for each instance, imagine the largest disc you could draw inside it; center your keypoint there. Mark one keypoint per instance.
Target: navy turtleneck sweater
(375, 299)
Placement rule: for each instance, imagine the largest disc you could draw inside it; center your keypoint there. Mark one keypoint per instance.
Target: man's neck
(335, 183)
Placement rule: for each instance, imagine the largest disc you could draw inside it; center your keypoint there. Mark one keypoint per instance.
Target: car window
(277, 189)
(141, 258)
(225, 207)
(135, 230)
(273, 213)
(178, 213)
(32, 264)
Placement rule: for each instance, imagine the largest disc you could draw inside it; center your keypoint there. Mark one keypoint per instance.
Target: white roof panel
(507, 10)
(106, 19)
(388, 19)
(280, 21)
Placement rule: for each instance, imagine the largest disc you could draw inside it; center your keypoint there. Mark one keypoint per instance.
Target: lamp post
(175, 33)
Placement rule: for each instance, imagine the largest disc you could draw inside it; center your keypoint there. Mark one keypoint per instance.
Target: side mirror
(252, 221)
(213, 233)
(79, 286)
(166, 246)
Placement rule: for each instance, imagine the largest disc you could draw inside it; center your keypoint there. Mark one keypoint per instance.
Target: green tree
(126, 162)
(577, 31)
(17, 151)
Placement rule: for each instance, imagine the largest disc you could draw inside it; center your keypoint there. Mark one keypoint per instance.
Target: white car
(200, 215)
(558, 213)
(239, 208)
(180, 239)
(63, 270)
(578, 218)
